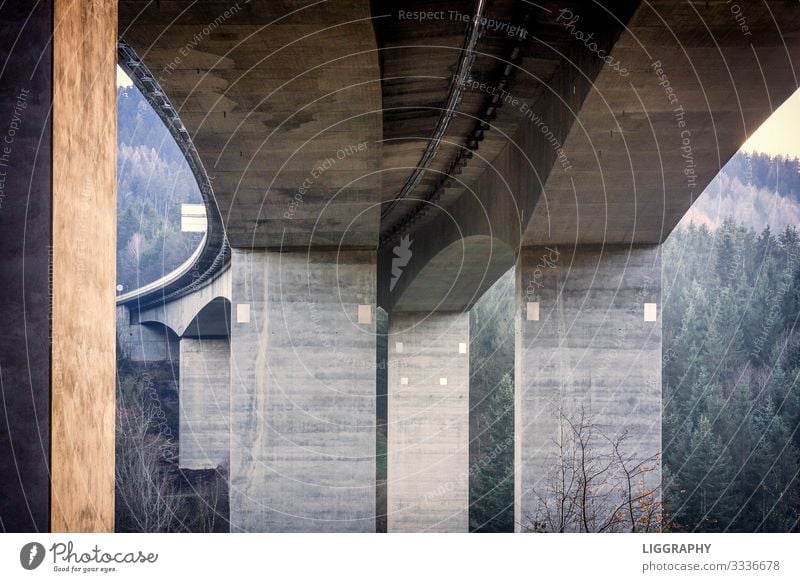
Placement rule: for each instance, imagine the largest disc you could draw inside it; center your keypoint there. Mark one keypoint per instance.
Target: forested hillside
(731, 363)
(757, 189)
(153, 180)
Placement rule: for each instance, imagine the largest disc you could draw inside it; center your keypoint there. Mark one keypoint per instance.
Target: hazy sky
(779, 134)
(122, 79)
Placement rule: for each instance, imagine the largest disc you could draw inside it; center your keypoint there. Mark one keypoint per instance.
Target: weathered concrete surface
(277, 98)
(83, 266)
(590, 351)
(204, 403)
(147, 342)
(638, 145)
(428, 406)
(303, 392)
(646, 144)
(182, 314)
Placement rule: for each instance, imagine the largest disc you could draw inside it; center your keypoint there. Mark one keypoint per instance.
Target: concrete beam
(588, 342)
(303, 389)
(283, 103)
(428, 423)
(182, 313)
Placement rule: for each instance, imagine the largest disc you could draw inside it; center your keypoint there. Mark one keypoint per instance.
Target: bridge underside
(351, 171)
(576, 147)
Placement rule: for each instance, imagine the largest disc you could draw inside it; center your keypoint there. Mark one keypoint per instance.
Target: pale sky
(780, 133)
(122, 79)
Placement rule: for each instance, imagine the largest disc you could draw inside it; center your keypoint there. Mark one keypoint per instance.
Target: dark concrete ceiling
(283, 102)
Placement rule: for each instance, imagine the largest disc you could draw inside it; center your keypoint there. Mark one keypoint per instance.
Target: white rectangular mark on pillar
(242, 313)
(365, 314)
(532, 311)
(398, 347)
(442, 381)
(462, 348)
(650, 312)
(404, 381)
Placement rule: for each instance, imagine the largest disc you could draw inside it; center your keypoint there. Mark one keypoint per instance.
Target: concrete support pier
(588, 346)
(204, 402)
(428, 422)
(303, 391)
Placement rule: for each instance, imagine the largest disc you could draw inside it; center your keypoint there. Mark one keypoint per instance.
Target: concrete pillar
(588, 342)
(428, 422)
(303, 391)
(204, 398)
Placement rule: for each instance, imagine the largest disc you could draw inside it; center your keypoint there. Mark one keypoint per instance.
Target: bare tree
(147, 499)
(594, 485)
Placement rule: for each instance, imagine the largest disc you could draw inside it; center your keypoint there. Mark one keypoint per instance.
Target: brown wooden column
(84, 126)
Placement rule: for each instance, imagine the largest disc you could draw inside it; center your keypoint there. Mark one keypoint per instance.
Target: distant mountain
(153, 180)
(756, 190)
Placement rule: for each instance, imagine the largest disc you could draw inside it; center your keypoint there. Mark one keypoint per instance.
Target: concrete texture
(645, 145)
(637, 148)
(277, 98)
(204, 403)
(149, 342)
(428, 422)
(302, 392)
(183, 313)
(25, 238)
(590, 351)
(83, 266)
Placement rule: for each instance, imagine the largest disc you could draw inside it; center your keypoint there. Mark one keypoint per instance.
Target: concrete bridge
(404, 156)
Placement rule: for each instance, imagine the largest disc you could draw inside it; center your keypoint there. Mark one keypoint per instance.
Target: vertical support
(58, 196)
(25, 232)
(428, 477)
(588, 343)
(303, 391)
(84, 264)
(204, 402)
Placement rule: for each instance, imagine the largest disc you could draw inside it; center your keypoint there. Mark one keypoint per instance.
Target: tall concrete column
(428, 422)
(303, 391)
(588, 346)
(204, 398)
